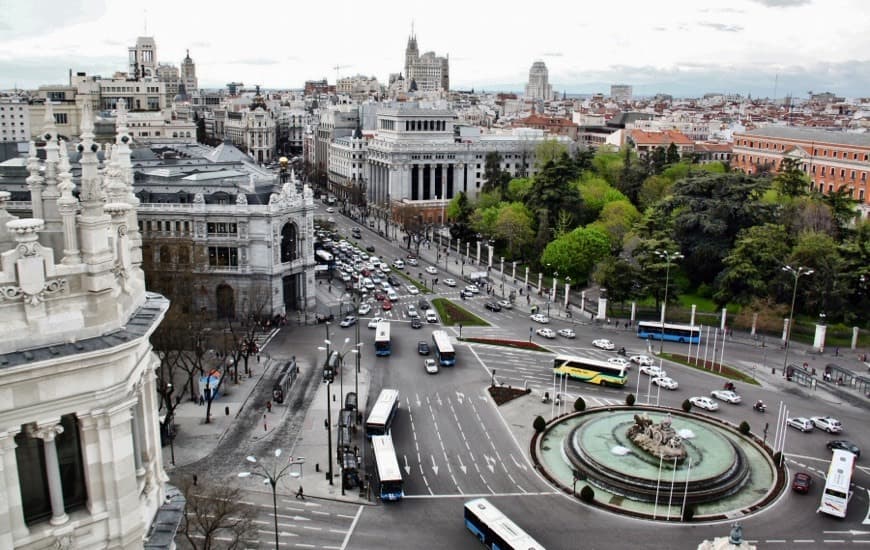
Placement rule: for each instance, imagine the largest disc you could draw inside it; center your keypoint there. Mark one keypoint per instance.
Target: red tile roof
(664, 138)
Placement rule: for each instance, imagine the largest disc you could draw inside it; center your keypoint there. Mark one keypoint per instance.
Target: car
(704, 403)
(412, 311)
(621, 361)
(416, 322)
(330, 219)
(385, 285)
(412, 290)
(801, 482)
(357, 235)
(603, 343)
(386, 305)
(472, 289)
(399, 264)
(843, 445)
(665, 382)
(430, 316)
(546, 333)
(827, 423)
(380, 296)
(422, 347)
(653, 371)
(465, 293)
(431, 366)
(450, 282)
(431, 270)
(492, 306)
(505, 304)
(539, 318)
(364, 309)
(330, 210)
(391, 294)
(373, 323)
(394, 281)
(411, 260)
(566, 333)
(348, 321)
(370, 248)
(726, 395)
(800, 423)
(423, 304)
(641, 360)
(376, 279)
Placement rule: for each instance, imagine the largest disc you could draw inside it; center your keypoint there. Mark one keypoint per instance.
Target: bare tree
(216, 512)
(410, 217)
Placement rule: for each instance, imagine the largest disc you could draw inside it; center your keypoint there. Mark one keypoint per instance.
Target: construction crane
(337, 68)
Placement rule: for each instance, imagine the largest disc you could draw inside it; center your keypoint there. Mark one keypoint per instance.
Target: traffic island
(503, 394)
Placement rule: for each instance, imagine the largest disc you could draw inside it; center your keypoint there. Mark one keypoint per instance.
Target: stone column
(48, 434)
(431, 182)
(12, 524)
(89, 429)
(526, 281)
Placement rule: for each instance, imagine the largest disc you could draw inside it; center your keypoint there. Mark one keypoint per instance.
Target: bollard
(227, 411)
(317, 467)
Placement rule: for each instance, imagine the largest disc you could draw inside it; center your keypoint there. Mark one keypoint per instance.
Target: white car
(472, 289)
(374, 322)
(449, 282)
(412, 261)
(386, 268)
(641, 360)
(566, 333)
(431, 317)
(348, 321)
(653, 371)
(801, 423)
(726, 395)
(827, 423)
(546, 333)
(665, 382)
(540, 318)
(431, 366)
(412, 289)
(704, 403)
(621, 361)
(431, 270)
(391, 294)
(505, 304)
(364, 309)
(399, 264)
(412, 311)
(603, 343)
(330, 210)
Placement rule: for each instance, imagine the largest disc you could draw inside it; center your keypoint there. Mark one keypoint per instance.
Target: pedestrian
(300, 494)
(836, 352)
(195, 479)
(269, 406)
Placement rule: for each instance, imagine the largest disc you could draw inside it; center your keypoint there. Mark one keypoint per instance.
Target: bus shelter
(842, 376)
(799, 374)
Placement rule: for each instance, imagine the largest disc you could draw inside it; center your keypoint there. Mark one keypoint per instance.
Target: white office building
(539, 87)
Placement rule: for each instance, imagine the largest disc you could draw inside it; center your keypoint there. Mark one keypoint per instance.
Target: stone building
(426, 73)
(539, 87)
(79, 432)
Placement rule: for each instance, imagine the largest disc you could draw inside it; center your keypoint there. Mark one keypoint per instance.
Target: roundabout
(658, 463)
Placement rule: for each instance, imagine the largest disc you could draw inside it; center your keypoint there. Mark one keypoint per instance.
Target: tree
(215, 517)
(494, 177)
(539, 424)
(751, 265)
(687, 405)
(791, 181)
(518, 189)
(842, 208)
(514, 225)
(616, 221)
(658, 159)
(579, 404)
(410, 217)
(821, 292)
(632, 175)
(673, 154)
(459, 210)
(549, 151)
(745, 428)
(587, 494)
(576, 253)
(652, 190)
(551, 191)
(596, 193)
(629, 399)
(619, 277)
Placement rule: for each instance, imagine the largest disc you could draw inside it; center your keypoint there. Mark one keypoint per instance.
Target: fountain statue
(659, 440)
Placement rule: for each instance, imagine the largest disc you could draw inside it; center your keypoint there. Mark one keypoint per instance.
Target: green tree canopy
(576, 253)
(755, 261)
(519, 189)
(514, 225)
(551, 191)
(616, 220)
(791, 181)
(549, 151)
(494, 177)
(596, 193)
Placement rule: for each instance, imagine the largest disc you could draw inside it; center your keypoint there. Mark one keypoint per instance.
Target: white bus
(443, 348)
(382, 339)
(381, 417)
(494, 529)
(836, 495)
(389, 473)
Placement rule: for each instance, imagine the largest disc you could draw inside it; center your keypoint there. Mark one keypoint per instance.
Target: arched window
(165, 255)
(225, 299)
(289, 245)
(183, 255)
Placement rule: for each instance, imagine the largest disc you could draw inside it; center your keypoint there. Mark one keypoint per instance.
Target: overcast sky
(683, 47)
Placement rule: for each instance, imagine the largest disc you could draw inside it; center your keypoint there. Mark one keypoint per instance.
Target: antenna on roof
(145, 17)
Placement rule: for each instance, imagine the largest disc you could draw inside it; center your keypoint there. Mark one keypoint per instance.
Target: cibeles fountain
(654, 462)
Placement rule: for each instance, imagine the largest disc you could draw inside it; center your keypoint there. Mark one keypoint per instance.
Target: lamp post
(668, 256)
(567, 290)
(340, 354)
(555, 284)
(271, 476)
(796, 272)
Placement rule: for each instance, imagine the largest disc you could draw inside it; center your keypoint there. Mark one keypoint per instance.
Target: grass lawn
(453, 314)
(520, 344)
(721, 370)
(420, 286)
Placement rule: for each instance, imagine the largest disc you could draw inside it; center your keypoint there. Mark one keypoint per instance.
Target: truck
(478, 277)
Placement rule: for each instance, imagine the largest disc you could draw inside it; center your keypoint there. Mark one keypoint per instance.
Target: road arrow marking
(407, 468)
(419, 403)
(461, 465)
(300, 518)
(438, 397)
(460, 396)
(518, 464)
(434, 467)
(490, 463)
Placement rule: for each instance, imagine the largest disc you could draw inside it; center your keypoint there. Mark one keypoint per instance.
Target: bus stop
(844, 377)
(799, 374)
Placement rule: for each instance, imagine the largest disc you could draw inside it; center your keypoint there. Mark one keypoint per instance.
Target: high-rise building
(143, 59)
(620, 93)
(188, 74)
(426, 73)
(539, 82)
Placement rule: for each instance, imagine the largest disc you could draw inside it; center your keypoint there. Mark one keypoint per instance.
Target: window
(60, 118)
(223, 256)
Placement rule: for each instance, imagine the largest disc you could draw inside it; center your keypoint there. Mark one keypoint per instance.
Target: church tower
(188, 74)
(412, 56)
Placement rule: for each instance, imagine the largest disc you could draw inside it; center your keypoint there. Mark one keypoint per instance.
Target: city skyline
(758, 47)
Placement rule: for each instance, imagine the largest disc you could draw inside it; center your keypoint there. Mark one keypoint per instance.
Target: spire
(48, 127)
(121, 118)
(91, 194)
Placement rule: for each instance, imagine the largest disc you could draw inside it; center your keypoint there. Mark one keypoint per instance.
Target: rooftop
(810, 134)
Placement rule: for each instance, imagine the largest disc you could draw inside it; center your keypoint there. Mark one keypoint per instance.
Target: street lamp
(797, 274)
(271, 476)
(340, 355)
(668, 256)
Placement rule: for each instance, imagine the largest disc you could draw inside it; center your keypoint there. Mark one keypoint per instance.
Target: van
(431, 317)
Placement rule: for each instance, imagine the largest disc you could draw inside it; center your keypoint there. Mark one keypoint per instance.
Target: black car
(844, 445)
(423, 304)
(416, 323)
(422, 348)
(394, 280)
(492, 306)
(370, 248)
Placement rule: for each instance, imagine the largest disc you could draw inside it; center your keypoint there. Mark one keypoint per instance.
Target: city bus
(325, 260)
(591, 371)
(837, 491)
(382, 414)
(673, 332)
(494, 529)
(382, 339)
(389, 473)
(443, 348)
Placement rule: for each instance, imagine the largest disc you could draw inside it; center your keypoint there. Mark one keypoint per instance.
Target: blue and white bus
(494, 529)
(672, 332)
(383, 412)
(382, 339)
(443, 348)
(389, 473)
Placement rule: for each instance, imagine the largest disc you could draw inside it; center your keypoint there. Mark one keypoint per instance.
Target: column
(415, 182)
(478, 252)
(526, 281)
(540, 281)
(567, 293)
(451, 178)
(48, 435)
(12, 524)
(514, 272)
(89, 429)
